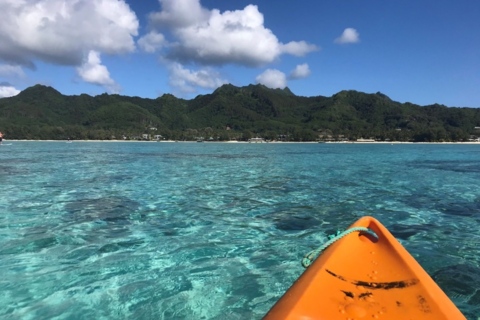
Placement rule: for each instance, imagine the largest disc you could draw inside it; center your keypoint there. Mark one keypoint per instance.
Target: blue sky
(422, 52)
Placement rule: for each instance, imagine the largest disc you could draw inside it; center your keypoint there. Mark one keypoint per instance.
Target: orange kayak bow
(365, 277)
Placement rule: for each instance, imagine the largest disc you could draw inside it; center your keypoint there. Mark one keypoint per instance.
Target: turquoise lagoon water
(99, 230)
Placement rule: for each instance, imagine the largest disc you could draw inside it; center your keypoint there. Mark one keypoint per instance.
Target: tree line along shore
(233, 113)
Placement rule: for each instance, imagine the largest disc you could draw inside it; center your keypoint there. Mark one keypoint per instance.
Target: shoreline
(246, 142)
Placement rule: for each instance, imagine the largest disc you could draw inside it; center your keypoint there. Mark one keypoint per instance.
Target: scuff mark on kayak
(423, 304)
(348, 294)
(377, 285)
(365, 295)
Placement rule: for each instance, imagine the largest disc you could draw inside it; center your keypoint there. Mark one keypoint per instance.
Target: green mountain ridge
(230, 112)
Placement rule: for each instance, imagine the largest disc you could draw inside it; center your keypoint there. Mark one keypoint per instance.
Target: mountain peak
(39, 90)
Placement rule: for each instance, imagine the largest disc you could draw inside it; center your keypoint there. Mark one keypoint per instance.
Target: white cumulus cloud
(92, 71)
(301, 71)
(272, 78)
(186, 80)
(61, 32)
(195, 35)
(8, 91)
(349, 35)
(212, 37)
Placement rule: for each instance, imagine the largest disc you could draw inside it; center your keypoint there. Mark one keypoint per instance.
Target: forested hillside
(230, 112)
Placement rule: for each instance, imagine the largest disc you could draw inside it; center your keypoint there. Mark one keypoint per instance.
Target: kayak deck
(364, 277)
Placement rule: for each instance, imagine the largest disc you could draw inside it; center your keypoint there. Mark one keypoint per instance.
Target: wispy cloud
(152, 42)
(349, 35)
(7, 90)
(92, 71)
(272, 78)
(301, 71)
(8, 70)
(187, 81)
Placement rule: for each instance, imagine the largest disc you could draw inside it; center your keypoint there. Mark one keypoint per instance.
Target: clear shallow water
(217, 231)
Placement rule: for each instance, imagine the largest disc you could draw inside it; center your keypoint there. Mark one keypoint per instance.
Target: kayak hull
(364, 277)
